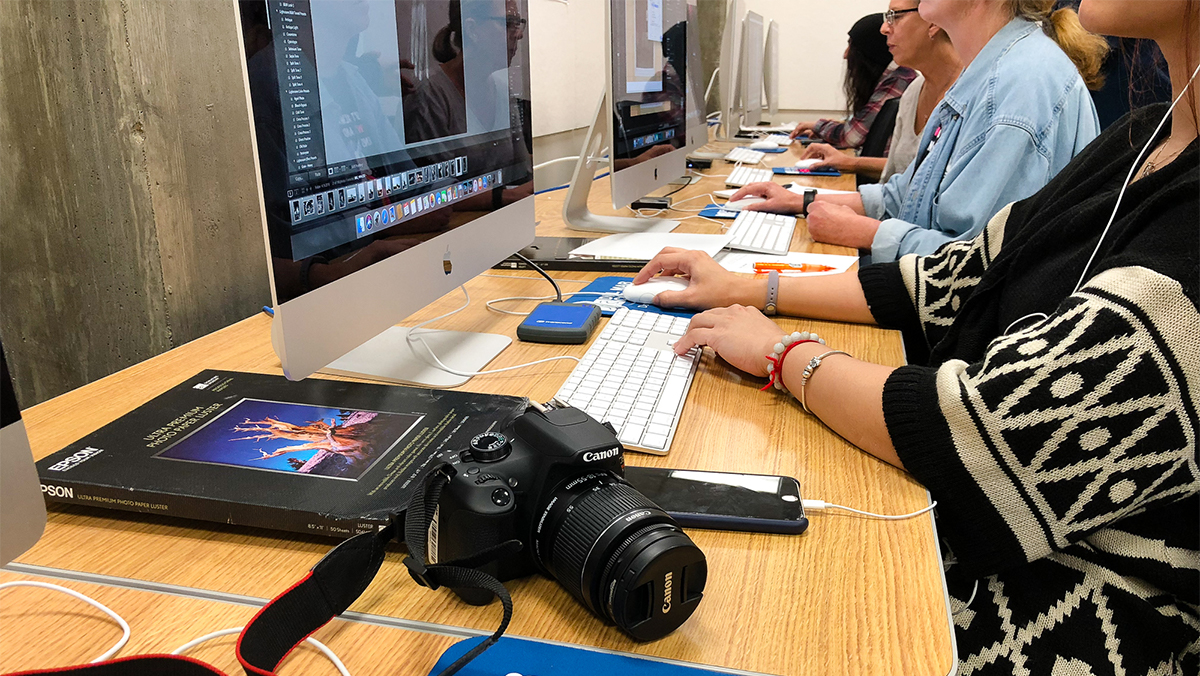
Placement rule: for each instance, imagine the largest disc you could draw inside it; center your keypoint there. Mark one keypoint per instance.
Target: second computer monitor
(648, 83)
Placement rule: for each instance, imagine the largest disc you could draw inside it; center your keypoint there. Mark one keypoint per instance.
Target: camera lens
(623, 557)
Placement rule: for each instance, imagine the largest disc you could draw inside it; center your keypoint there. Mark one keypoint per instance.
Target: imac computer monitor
(649, 116)
(393, 152)
(729, 68)
(752, 69)
(22, 508)
(771, 69)
(648, 65)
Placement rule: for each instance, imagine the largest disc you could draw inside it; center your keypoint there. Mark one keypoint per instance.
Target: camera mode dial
(490, 447)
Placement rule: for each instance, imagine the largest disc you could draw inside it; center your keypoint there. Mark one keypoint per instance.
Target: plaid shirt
(852, 132)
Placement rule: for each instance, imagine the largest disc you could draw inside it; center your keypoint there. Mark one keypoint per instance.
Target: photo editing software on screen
(650, 58)
(374, 116)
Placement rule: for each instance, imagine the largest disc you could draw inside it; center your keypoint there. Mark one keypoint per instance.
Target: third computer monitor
(651, 68)
(394, 157)
(752, 69)
(771, 69)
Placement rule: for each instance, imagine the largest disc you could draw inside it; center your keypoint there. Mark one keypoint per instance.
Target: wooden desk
(852, 596)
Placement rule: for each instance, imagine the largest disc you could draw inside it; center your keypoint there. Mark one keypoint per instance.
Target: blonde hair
(1086, 50)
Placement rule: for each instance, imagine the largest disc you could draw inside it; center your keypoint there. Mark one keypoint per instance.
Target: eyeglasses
(890, 15)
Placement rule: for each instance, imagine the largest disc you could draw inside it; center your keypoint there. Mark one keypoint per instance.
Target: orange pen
(789, 267)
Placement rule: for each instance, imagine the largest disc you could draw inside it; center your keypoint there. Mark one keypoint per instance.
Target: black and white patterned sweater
(1062, 450)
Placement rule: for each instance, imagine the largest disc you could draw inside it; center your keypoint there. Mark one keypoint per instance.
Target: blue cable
(539, 192)
(269, 310)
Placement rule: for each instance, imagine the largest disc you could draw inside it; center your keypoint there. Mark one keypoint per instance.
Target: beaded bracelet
(775, 359)
(809, 370)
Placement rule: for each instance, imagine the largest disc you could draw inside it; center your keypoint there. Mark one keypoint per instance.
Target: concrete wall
(129, 223)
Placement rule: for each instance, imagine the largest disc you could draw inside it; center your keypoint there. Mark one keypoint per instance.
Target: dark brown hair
(448, 42)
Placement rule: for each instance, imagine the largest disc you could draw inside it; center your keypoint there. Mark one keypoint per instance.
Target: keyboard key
(662, 419)
(664, 430)
(668, 402)
(631, 434)
(656, 441)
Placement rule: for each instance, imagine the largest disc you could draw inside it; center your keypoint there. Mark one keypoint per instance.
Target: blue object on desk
(797, 171)
(534, 658)
(774, 151)
(610, 298)
(717, 211)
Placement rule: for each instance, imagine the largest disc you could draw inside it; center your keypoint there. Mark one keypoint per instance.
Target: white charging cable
(711, 198)
(818, 505)
(414, 336)
(337, 663)
(88, 600)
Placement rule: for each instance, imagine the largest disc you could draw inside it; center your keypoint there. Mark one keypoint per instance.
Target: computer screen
(649, 76)
(651, 111)
(392, 136)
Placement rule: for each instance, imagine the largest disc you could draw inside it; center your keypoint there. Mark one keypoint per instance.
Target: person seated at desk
(1054, 415)
(914, 43)
(872, 79)
(1016, 116)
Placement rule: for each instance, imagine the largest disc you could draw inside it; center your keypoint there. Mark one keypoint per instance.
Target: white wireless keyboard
(741, 176)
(761, 232)
(632, 378)
(780, 139)
(745, 155)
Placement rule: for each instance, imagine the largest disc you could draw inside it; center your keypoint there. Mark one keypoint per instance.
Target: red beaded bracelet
(775, 359)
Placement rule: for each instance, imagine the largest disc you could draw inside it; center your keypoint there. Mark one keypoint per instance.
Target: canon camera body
(553, 481)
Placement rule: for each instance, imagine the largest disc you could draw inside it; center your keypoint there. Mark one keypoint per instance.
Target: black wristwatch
(809, 196)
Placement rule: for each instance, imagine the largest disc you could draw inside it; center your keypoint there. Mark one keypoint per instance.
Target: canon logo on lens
(667, 593)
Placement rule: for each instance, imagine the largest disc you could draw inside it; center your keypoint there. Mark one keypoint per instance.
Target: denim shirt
(1015, 117)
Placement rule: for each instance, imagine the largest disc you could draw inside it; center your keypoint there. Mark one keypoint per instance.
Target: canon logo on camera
(602, 455)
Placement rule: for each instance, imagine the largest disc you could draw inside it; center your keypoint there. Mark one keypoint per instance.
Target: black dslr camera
(553, 481)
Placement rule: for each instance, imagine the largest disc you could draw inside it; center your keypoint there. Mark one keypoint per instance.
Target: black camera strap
(333, 584)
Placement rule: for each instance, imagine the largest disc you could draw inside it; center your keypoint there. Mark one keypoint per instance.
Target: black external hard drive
(556, 322)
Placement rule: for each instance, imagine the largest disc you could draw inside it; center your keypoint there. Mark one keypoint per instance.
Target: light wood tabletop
(850, 596)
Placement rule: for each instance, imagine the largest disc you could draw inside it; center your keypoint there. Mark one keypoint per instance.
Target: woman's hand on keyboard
(710, 285)
(741, 336)
(779, 200)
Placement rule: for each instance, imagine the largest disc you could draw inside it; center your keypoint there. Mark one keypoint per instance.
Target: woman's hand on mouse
(802, 129)
(831, 158)
(710, 284)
